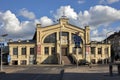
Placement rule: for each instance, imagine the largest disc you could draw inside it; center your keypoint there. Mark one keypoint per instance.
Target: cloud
(9, 21)
(11, 25)
(44, 21)
(102, 15)
(65, 11)
(98, 17)
(27, 14)
(108, 1)
(81, 1)
(95, 17)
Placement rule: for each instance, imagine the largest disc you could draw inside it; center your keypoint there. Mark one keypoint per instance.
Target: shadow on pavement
(29, 76)
(90, 76)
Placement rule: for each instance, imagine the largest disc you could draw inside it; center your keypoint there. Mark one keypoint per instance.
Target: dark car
(83, 62)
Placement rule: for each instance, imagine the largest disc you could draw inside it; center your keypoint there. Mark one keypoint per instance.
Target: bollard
(110, 70)
(118, 69)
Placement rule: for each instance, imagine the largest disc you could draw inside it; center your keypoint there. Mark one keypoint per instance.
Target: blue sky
(19, 17)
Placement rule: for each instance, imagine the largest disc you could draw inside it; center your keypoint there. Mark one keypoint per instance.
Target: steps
(66, 60)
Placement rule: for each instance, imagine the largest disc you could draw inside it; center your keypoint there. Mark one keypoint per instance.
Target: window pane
(53, 50)
(15, 51)
(46, 50)
(31, 51)
(74, 50)
(92, 50)
(23, 51)
(50, 38)
(80, 50)
(99, 50)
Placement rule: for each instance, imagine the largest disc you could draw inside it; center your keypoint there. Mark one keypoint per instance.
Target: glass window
(106, 50)
(53, 50)
(79, 50)
(46, 50)
(64, 33)
(92, 50)
(99, 50)
(74, 50)
(24, 51)
(50, 38)
(15, 51)
(32, 51)
(23, 62)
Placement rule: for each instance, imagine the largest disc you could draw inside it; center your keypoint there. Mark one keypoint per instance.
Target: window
(74, 50)
(24, 51)
(64, 33)
(99, 50)
(23, 62)
(106, 50)
(15, 51)
(32, 51)
(46, 50)
(50, 38)
(79, 50)
(53, 50)
(92, 50)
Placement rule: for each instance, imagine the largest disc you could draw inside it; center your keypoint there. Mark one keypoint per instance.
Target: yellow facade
(55, 41)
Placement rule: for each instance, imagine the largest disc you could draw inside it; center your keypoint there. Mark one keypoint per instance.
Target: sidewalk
(87, 73)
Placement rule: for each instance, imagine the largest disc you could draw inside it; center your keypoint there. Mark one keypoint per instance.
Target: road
(32, 73)
(54, 72)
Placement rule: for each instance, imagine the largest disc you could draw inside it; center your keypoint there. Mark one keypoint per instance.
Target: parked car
(83, 62)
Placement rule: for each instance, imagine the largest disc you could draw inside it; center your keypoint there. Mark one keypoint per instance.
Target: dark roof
(23, 42)
(113, 35)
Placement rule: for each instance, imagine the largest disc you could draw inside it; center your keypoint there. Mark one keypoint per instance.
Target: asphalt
(48, 72)
(94, 73)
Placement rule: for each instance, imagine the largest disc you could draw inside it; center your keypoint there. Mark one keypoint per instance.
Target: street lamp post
(2, 45)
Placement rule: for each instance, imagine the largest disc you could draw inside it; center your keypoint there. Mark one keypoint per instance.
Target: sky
(18, 18)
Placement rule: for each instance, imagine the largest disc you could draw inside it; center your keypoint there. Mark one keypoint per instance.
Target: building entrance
(64, 51)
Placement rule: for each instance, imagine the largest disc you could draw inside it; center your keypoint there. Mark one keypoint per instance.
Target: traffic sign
(1, 44)
(8, 58)
(77, 40)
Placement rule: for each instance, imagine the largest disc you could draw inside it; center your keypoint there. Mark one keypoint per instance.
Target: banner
(39, 49)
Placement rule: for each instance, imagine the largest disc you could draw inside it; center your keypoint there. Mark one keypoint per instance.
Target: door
(64, 51)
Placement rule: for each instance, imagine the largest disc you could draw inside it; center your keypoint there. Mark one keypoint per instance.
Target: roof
(23, 42)
(113, 35)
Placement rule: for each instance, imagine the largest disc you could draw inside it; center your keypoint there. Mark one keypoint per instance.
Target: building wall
(18, 58)
(102, 53)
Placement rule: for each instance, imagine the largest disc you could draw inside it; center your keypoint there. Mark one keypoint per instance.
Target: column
(96, 55)
(58, 43)
(11, 54)
(103, 55)
(28, 54)
(70, 43)
(109, 53)
(19, 54)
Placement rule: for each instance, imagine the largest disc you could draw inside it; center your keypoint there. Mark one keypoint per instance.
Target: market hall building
(55, 44)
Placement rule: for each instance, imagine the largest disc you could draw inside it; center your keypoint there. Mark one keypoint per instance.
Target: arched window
(50, 38)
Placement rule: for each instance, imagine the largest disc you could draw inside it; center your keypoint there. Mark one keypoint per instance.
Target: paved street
(31, 73)
(46, 72)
